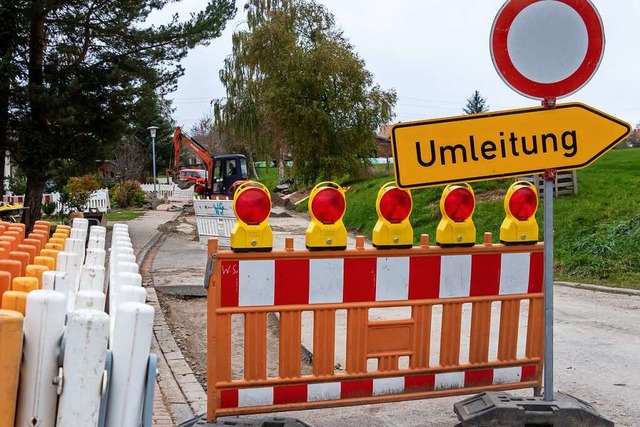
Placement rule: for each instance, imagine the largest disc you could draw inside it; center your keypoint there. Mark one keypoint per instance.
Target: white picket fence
(73, 370)
(98, 200)
(171, 192)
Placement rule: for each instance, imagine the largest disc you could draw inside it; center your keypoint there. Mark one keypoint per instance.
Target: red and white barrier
(133, 329)
(43, 328)
(83, 368)
(262, 282)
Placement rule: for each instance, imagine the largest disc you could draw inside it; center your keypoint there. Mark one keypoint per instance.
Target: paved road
(597, 348)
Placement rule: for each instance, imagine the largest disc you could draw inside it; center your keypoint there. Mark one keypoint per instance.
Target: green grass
(124, 214)
(597, 231)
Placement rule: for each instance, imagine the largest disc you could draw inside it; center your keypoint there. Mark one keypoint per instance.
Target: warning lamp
(393, 229)
(520, 205)
(456, 228)
(327, 204)
(252, 206)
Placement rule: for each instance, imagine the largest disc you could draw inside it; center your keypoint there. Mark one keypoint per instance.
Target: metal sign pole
(549, 179)
(548, 285)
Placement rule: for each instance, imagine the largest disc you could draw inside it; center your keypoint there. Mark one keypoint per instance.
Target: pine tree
(88, 73)
(476, 104)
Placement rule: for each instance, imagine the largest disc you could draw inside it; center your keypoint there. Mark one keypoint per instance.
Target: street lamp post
(153, 130)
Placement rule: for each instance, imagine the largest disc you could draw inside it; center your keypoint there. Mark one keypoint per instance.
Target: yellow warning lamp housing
(252, 206)
(327, 204)
(393, 229)
(520, 206)
(456, 228)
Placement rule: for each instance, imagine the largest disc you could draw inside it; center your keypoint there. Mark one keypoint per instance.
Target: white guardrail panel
(214, 218)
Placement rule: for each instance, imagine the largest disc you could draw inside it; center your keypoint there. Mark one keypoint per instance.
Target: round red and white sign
(547, 48)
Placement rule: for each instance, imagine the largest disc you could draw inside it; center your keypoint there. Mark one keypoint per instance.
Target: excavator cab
(228, 169)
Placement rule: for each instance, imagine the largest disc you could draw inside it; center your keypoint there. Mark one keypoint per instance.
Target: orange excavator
(223, 172)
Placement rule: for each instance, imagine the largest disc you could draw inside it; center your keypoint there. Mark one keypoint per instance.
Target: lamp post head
(153, 130)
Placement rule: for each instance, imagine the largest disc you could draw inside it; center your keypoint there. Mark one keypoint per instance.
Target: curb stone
(598, 288)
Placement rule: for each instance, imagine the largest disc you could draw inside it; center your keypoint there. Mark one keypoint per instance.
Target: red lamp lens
(523, 203)
(328, 205)
(395, 205)
(253, 206)
(459, 204)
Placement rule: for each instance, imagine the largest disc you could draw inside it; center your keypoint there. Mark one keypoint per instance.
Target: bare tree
(129, 160)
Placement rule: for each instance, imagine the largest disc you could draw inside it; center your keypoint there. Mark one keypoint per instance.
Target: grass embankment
(597, 231)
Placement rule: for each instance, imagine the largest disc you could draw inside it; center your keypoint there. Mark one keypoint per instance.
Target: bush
(76, 192)
(49, 207)
(128, 194)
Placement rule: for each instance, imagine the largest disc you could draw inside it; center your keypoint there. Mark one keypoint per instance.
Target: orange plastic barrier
(30, 249)
(9, 239)
(46, 224)
(33, 242)
(41, 232)
(52, 253)
(53, 246)
(12, 266)
(60, 235)
(15, 233)
(47, 261)
(15, 300)
(39, 237)
(10, 358)
(5, 282)
(435, 286)
(24, 284)
(23, 258)
(19, 226)
(36, 271)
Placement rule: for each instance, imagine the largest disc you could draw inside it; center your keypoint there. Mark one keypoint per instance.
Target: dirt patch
(187, 318)
(488, 196)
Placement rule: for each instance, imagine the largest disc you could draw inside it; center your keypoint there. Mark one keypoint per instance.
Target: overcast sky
(434, 53)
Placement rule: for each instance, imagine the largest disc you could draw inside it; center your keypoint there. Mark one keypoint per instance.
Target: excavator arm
(181, 139)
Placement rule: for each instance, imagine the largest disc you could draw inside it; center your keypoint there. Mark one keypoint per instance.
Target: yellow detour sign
(502, 144)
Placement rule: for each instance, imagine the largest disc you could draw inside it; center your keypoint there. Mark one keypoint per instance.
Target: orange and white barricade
(424, 279)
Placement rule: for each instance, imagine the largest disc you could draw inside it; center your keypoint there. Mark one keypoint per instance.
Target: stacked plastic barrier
(63, 362)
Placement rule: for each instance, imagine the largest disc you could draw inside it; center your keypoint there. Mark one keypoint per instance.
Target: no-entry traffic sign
(547, 48)
(502, 144)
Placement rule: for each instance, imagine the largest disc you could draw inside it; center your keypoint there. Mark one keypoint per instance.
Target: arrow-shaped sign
(502, 144)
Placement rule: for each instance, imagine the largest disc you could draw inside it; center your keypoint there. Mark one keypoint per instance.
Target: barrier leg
(83, 367)
(131, 344)
(152, 373)
(43, 328)
(10, 357)
(106, 386)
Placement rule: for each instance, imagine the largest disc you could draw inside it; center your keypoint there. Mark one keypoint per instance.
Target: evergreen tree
(476, 104)
(88, 73)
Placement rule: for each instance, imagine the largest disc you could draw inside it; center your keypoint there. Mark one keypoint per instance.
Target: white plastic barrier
(95, 256)
(91, 300)
(171, 192)
(83, 368)
(98, 200)
(43, 328)
(214, 218)
(121, 279)
(133, 329)
(69, 264)
(92, 278)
